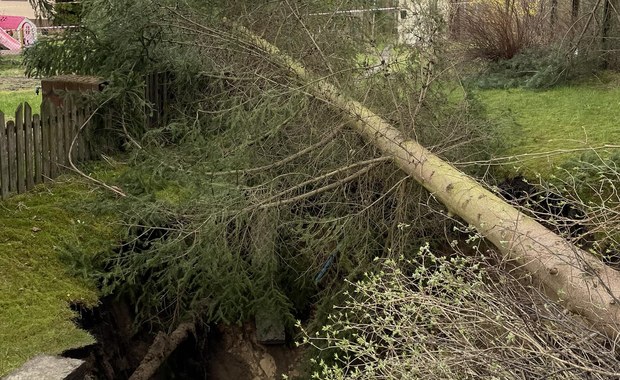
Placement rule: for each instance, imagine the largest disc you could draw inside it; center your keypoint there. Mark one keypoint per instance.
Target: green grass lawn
(15, 87)
(576, 116)
(9, 100)
(36, 286)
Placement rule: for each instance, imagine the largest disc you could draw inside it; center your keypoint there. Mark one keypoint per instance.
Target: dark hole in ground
(218, 353)
(213, 353)
(119, 348)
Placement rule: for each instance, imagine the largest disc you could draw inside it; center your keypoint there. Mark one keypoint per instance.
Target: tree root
(162, 347)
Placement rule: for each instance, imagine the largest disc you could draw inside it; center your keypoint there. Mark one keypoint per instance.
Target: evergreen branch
(331, 71)
(373, 163)
(113, 189)
(283, 161)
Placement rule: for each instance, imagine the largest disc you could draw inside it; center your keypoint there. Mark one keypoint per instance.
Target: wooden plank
(88, 141)
(4, 160)
(82, 152)
(37, 149)
(29, 147)
(75, 126)
(12, 141)
(53, 131)
(21, 149)
(45, 140)
(165, 95)
(60, 139)
(68, 128)
(156, 99)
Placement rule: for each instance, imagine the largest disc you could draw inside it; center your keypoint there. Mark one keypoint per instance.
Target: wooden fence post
(53, 135)
(4, 160)
(68, 128)
(11, 141)
(45, 141)
(21, 149)
(38, 155)
(29, 148)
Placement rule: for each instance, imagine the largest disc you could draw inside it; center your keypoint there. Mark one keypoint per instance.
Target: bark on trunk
(162, 347)
(574, 277)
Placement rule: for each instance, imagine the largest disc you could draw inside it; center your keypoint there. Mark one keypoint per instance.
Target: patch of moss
(36, 286)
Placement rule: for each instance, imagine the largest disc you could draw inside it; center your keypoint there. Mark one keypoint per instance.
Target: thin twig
(319, 190)
(113, 189)
(329, 137)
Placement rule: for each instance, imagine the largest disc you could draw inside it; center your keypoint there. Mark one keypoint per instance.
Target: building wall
(17, 8)
(414, 24)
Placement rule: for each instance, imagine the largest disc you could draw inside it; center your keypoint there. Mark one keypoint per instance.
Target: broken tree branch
(162, 347)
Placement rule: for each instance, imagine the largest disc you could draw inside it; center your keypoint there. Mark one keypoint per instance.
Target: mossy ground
(36, 285)
(571, 117)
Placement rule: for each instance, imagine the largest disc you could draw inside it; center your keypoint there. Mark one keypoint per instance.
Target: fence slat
(75, 125)
(45, 140)
(60, 139)
(37, 148)
(82, 152)
(4, 160)
(12, 141)
(29, 147)
(79, 119)
(68, 135)
(21, 149)
(165, 95)
(53, 134)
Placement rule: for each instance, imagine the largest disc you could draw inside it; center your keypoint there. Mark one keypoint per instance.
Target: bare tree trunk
(570, 275)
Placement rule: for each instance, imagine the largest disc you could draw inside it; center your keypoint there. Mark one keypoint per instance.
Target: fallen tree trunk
(574, 277)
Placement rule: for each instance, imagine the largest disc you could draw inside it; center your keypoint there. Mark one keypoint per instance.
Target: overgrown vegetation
(255, 197)
(537, 44)
(253, 187)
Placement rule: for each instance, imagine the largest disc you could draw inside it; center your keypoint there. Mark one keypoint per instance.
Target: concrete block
(46, 367)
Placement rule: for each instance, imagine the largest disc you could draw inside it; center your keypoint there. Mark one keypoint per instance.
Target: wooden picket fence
(159, 95)
(36, 148)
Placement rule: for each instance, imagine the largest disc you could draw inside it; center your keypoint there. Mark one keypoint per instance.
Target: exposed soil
(214, 353)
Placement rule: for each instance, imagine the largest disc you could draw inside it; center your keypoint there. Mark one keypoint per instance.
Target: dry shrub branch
(457, 318)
